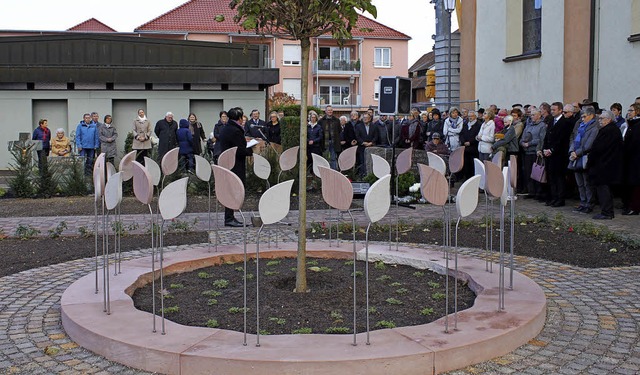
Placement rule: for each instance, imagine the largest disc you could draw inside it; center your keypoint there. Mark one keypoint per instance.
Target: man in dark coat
(331, 126)
(556, 151)
(606, 162)
(255, 128)
(232, 135)
(470, 129)
(166, 131)
(366, 136)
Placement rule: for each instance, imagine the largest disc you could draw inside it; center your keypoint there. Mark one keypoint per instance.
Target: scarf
(582, 128)
(142, 119)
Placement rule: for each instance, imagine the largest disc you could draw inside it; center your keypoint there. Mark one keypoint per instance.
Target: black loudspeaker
(395, 96)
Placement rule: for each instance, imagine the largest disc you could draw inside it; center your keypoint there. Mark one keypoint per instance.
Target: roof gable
(92, 25)
(427, 61)
(198, 16)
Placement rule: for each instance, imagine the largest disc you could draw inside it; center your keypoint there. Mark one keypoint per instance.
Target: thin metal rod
(366, 277)
(153, 269)
(209, 216)
(161, 245)
(490, 234)
(105, 267)
(258, 286)
(446, 286)
(512, 239)
(455, 288)
(353, 230)
(486, 232)
(244, 237)
(217, 227)
(95, 227)
(105, 270)
(501, 284)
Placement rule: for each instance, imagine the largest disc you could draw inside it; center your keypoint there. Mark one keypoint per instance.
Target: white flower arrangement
(414, 188)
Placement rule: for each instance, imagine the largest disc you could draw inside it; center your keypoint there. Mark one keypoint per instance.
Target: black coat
(632, 152)
(557, 140)
(347, 134)
(232, 135)
(197, 130)
(469, 135)
(272, 131)
(606, 156)
(167, 136)
(363, 136)
(331, 127)
(253, 128)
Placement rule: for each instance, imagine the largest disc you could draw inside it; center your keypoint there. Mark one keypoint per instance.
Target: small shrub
(385, 324)
(25, 232)
(84, 231)
(337, 330)
(348, 263)
(118, 228)
(373, 310)
(239, 269)
(433, 284)
(171, 309)
(73, 181)
(204, 275)
(426, 311)
(212, 302)
(312, 262)
(273, 263)
(21, 167)
(302, 331)
(380, 265)
(418, 274)
(402, 291)
(178, 225)
(270, 273)
(438, 296)
(336, 315)
(250, 276)
(394, 284)
(236, 310)
(358, 274)
(212, 293)
(320, 269)
(57, 231)
(213, 323)
(264, 332)
(278, 321)
(383, 278)
(393, 301)
(220, 283)
(176, 286)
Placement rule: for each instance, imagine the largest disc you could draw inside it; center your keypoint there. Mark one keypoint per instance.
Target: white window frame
(331, 87)
(292, 86)
(291, 55)
(381, 63)
(376, 89)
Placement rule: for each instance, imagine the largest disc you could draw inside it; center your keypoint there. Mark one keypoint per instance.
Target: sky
(415, 18)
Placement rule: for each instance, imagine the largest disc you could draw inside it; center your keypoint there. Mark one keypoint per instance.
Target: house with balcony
(345, 77)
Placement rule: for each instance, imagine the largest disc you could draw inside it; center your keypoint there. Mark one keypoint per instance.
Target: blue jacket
(44, 135)
(87, 136)
(185, 138)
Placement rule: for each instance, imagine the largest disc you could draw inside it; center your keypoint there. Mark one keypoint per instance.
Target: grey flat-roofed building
(61, 77)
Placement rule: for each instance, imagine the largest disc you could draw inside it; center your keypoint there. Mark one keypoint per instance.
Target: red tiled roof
(199, 16)
(92, 25)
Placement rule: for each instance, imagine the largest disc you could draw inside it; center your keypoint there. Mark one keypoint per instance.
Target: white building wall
(16, 109)
(615, 80)
(527, 81)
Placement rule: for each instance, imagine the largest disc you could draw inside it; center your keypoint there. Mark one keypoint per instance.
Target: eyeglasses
(565, 112)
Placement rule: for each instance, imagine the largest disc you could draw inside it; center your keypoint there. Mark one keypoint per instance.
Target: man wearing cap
(436, 146)
(166, 131)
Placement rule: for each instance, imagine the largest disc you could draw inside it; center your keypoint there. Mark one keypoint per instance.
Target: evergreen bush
(22, 167)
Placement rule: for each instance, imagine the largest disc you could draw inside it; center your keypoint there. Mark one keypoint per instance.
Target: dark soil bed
(399, 296)
(558, 243)
(20, 255)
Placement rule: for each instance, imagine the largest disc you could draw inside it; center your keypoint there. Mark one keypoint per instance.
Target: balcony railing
(351, 101)
(336, 66)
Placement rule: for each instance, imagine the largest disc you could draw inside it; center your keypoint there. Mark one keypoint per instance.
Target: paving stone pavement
(592, 327)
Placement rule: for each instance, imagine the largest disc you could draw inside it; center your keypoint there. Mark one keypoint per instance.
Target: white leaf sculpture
(169, 161)
(142, 183)
(98, 177)
(113, 191)
(479, 171)
(467, 196)
(347, 158)
(125, 165)
(380, 166)
(261, 166)
(173, 199)
(275, 202)
(203, 168)
(154, 170)
(437, 163)
(378, 199)
(319, 161)
(228, 158)
(337, 190)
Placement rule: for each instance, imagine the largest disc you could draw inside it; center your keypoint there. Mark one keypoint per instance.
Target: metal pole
(258, 286)
(449, 59)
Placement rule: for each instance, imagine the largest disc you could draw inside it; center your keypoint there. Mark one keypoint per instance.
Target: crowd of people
(598, 148)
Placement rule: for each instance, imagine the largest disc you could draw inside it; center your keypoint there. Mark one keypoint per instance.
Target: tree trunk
(301, 271)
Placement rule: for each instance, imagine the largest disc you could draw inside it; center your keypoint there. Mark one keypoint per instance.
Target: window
(376, 89)
(335, 58)
(382, 57)
(292, 87)
(335, 95)
(291, 54)
(531, 26)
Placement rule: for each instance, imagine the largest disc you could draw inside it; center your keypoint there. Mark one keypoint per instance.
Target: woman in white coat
(452, 128)
(486, 135)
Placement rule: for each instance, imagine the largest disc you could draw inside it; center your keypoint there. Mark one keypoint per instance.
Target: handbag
(538, 171)
(579, 164)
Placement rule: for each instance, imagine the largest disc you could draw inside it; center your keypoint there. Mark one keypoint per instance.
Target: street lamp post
(352, 80)
(449, 6)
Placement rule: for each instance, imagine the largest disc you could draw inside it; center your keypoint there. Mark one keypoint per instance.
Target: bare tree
(301, 20)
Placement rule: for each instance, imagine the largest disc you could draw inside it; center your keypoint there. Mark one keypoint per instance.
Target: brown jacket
(141, 134)
(60, 145)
